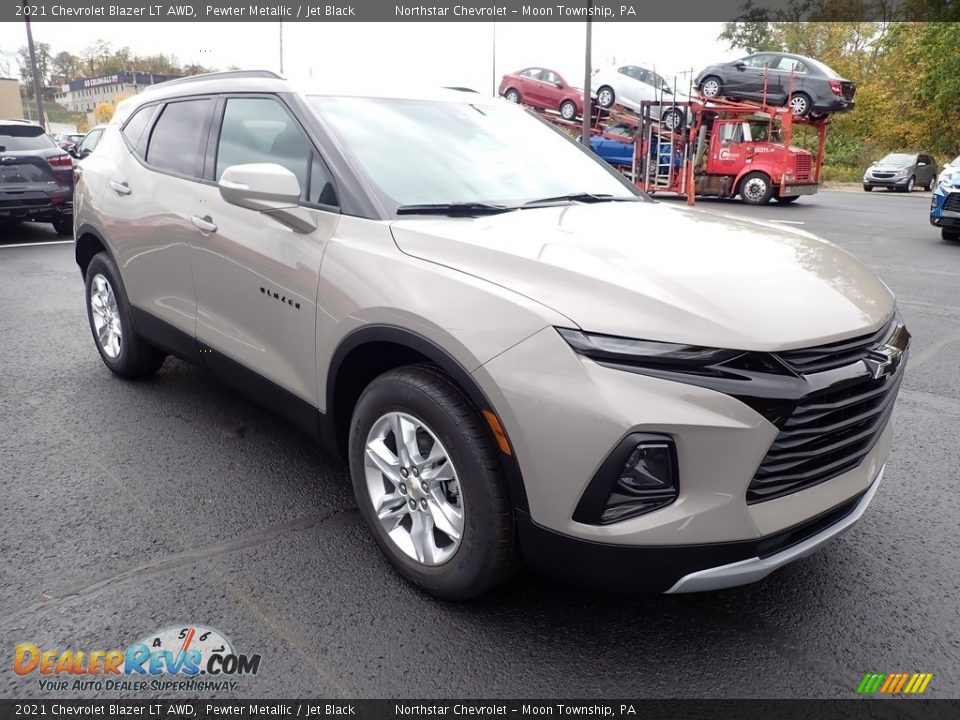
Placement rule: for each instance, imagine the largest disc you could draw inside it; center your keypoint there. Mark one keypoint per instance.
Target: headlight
(642, 352)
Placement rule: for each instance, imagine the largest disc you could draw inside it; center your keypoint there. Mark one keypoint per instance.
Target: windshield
(417, 152)
(26, 137)
(898, 159)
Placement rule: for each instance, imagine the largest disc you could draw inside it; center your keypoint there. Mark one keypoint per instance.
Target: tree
(103, 112)
(64, 68)
(44, 63)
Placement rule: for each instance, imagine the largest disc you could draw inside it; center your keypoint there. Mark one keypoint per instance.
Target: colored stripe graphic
(894, 683)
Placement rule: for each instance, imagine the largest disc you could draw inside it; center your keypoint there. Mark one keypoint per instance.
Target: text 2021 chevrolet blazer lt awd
(517, 354)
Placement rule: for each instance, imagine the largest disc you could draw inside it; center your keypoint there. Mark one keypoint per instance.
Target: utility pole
(281, 46)
(37, 85)
(587, 72)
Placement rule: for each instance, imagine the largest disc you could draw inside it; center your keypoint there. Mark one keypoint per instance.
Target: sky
(430, 53)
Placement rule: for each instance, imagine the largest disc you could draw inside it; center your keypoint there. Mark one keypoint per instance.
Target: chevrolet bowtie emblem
(883, 360)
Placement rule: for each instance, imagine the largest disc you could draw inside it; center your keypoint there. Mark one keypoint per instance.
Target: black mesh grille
(833, 355)
(952, 202)
(829, 433)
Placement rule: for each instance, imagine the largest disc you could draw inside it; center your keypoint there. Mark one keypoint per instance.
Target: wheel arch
(372, 350)
(749, 171)
(89, 242)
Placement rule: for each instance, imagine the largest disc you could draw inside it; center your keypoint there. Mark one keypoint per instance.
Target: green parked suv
(519, 356)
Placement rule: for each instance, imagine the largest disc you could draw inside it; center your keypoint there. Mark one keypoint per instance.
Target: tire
(672, 119)
(756, 189)
(931, 184)
(950, 235)
(130, 356)
(512, 95)
(868, 188)
(486, 553)
(800, 104)
(908, 188)
(787, 199)
(568, 110)
(606, 97)
(711, 87)
(63, 225)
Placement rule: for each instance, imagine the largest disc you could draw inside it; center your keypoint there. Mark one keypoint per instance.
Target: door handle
(121, 188)
(204, 223)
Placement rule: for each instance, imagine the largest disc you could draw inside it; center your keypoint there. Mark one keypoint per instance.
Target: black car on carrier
(36, 177)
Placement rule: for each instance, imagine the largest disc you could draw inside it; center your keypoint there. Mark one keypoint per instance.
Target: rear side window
(259, 130)
(177, 137)
(133, 131)
(24, 137)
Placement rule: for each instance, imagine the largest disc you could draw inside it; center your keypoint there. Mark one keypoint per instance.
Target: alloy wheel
(605, 97)
(513, 96)
(106, 316)
(710, 88)
(568, 111)
(414, 488)
(798, 105)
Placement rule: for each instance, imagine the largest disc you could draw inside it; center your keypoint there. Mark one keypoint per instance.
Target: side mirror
(739, 64)
(268, 188)
(559, 85)
(72, 152)
(84, 153)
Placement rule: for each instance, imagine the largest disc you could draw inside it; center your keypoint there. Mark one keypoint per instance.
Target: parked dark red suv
(544, 89)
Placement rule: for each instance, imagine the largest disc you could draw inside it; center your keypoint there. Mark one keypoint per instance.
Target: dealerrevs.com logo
(190, 658)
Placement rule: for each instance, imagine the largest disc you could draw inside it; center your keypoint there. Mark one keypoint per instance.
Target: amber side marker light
(498, 432)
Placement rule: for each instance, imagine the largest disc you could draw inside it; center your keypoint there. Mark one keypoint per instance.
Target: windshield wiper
(454, 209)
(580, 197)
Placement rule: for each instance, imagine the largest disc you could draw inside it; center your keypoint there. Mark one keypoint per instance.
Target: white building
(84, 95)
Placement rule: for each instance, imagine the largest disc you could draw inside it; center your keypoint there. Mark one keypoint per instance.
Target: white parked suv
(518, 354)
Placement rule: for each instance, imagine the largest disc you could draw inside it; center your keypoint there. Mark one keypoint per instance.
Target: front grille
(803, 163)
(883, 175)
(833, 355)
(829, 433)
(952, 203)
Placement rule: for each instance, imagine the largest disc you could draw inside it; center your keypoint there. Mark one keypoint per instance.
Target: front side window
(731, 133)
(422, 152)
(259, 130)
(758, 61)
(90, 141)
(532, 73)
(550, 76)
(177, 138)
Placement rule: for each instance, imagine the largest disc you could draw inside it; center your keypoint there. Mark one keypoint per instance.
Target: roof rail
(225, 75)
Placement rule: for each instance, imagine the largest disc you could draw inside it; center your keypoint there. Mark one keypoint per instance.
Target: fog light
(639, 476)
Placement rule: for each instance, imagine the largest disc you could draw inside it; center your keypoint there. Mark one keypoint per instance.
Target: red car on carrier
(544, 89)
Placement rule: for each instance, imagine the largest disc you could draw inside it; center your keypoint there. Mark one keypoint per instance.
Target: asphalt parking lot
(130, 507)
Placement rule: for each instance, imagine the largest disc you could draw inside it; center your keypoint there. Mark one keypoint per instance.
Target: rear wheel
(711, 87)
(756, 189)
(63, 225)
(606, 97)
(429, 484)
(672, 119)
(512, 95)
(800, 105)
(568, 109)
(121, 347)
(950, 235)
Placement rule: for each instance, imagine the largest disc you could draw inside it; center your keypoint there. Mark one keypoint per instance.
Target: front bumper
(563, 413)
(886, 182)
(794, 190)
(684, 568)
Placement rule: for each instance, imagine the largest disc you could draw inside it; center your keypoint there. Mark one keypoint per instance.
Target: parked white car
(630, 85)
(950, 169)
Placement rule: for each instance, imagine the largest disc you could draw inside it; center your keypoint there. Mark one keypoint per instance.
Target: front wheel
(908, 188)
(931, 184)
(950, 235)
(787, 199)
(868, 188)
(121, 347)
(429, 484)
(756, 189)
(606, 97)
(568, 110)
(711, 87)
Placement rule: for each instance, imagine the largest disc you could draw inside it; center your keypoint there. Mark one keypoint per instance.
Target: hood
(663, 272)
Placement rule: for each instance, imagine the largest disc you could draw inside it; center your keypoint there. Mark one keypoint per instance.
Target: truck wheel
(787, 199)
(121, 347)
(950, 235)
(512, 95)
(606, 97)
(568, 110)
(429, 484)
(756, 189)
